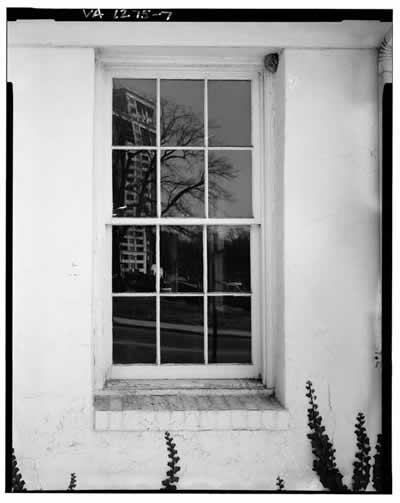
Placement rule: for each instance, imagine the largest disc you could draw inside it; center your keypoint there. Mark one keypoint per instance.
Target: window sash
(251, 370)
(205, 370)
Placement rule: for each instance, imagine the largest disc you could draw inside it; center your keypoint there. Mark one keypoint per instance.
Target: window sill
(184, 405)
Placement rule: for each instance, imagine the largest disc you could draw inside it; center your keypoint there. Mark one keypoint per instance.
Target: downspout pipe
(385, 76)
(385, 79)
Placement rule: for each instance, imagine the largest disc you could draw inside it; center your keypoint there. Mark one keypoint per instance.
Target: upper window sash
(255, 148)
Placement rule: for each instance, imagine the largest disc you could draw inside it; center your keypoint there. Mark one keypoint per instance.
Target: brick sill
(183, 405)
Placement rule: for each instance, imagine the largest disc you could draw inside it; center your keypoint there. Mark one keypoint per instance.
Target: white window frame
(186, 68)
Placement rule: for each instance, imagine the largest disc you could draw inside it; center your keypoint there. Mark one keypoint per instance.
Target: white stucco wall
(331, 249)
(328, 128)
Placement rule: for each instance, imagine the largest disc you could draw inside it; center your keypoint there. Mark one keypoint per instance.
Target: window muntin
(217, 184)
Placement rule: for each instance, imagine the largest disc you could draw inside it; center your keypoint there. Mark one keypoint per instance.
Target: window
(186, 227)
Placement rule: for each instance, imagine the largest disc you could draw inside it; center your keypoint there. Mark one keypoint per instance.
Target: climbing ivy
(72, 482)
(362, 465)
(17, 482)
(377, 468)
(169, 482)
(324, 463)
(280, 484)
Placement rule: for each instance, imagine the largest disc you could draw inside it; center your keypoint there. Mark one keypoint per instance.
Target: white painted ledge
(184, 405)
(192, 420)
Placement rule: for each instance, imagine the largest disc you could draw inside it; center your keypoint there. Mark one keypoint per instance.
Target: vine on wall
(324, 463)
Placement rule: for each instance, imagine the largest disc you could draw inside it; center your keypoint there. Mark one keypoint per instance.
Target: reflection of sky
(186, 93)
(229, 107)
(238, 187)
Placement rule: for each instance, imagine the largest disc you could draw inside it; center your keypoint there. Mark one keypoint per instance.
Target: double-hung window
(186, 227)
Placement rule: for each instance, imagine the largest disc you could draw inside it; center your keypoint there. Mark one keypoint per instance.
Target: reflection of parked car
(179, 284)
(185, 286)
(233, 286)
(229, 286)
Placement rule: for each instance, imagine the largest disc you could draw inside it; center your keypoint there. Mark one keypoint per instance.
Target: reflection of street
(135, 342)
(134, 346)
(177, 327)
(142, 347)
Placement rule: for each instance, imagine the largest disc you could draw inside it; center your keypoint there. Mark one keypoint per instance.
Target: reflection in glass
(133, 258)
(229, 184)
(229, 329)
(134, 112)
(182, 110)
(228, 258)
(229, 113)
(182, 330)
(181, 251)
(134, 183)
(134, 330)
(182, 183)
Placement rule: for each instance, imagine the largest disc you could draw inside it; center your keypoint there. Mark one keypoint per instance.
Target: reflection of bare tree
(182, 177)
(180, 126)
(182, 182)
(220, 170)
(182, 171)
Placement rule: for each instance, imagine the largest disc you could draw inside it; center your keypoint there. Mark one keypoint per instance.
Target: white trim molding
(342, 35)
(175, 59)
(123, 63)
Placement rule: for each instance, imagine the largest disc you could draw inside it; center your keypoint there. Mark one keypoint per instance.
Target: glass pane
(134, 258)
(229, 113)
(182, 330)
(134, 183)
(182, 111)
(181, 255)
(229, 184)
(228, 258)
(229, 329)
(182, 183)
(134, 330)
(134, 112)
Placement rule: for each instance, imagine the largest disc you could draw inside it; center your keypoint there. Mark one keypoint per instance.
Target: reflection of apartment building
(135, 118)
(139, 189)
(134, 123)
(133, 251)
